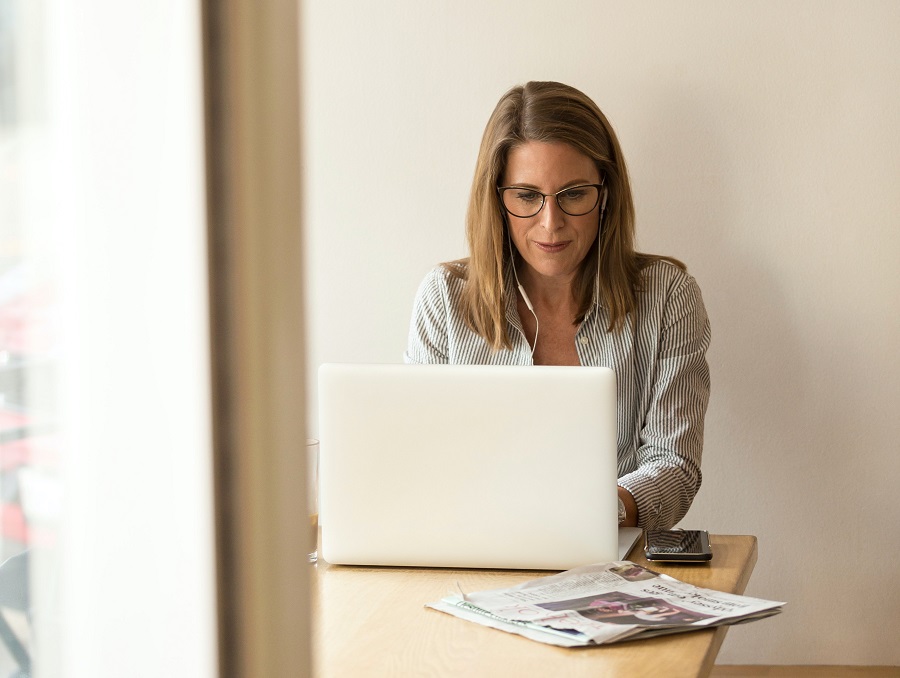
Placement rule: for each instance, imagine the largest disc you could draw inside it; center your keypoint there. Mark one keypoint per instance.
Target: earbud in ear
(603, 205)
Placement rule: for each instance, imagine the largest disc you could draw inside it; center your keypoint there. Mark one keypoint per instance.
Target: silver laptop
(468, 466)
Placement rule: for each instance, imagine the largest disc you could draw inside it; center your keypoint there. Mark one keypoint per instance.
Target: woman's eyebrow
(568, 184)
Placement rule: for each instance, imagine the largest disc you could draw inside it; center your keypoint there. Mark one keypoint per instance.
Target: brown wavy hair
(557, 113)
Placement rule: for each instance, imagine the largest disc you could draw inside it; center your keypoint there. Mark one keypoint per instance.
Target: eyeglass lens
(525, 202)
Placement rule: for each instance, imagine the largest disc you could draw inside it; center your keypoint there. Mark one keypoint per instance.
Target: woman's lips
(551, 247)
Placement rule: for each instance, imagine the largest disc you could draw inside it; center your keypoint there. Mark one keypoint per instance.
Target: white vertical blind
(125, 189)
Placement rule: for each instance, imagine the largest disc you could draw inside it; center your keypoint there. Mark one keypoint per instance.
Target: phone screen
(679, 545)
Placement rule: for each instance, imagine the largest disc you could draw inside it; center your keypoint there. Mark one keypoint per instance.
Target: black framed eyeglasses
(525, 202)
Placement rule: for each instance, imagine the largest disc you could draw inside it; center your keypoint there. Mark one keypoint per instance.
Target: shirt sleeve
(668, 475)
(428, 340)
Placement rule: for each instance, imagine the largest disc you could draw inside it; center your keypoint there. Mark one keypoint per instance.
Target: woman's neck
(550, 294)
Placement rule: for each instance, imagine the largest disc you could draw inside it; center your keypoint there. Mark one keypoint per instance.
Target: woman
(553, 279)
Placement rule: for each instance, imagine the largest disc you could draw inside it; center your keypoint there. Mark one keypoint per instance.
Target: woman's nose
(551, 216)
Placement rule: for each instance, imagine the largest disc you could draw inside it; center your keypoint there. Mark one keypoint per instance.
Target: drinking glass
(312, 496)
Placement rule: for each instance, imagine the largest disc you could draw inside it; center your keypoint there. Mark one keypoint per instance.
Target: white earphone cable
(512, 260)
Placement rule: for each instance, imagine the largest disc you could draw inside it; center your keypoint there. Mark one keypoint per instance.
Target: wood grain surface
(372, 621)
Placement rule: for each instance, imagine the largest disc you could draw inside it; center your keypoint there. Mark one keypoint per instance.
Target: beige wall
(763, 143)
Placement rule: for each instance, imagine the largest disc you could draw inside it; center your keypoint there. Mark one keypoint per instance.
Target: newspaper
(602, 604)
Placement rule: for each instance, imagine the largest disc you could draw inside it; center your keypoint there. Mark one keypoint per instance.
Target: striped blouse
(661, 374)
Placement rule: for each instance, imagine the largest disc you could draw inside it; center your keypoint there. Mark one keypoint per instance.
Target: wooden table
(371, 621)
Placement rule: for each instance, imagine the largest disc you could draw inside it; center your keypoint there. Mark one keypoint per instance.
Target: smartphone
(677, 546)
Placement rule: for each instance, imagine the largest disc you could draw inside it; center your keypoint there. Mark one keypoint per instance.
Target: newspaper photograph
(602, 604)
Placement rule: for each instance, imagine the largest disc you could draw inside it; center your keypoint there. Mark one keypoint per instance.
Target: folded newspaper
(602, 604)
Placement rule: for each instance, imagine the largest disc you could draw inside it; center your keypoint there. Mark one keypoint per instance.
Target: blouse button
(584, 340)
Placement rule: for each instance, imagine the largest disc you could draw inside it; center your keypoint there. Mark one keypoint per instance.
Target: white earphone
(512, 257)
(525, 297)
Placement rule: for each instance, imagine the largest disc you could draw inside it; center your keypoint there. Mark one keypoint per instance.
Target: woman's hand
(631, 512)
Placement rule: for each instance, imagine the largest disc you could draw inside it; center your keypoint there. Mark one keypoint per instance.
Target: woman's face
(552, 244)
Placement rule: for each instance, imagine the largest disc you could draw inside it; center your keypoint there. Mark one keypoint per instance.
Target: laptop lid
(467, 466)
